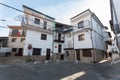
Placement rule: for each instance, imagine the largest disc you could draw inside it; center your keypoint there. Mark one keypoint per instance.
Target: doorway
(20, 51)
(59, 48)
(48, 54)
(62, 56)
(78, 55)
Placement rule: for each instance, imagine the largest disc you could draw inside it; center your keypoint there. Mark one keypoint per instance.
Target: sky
(61, 10)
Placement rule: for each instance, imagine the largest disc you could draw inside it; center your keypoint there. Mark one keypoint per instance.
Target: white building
(88, 34)
(83, 40)
(38, 33)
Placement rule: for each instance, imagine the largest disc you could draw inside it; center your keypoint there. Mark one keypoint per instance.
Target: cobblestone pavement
(60, 71)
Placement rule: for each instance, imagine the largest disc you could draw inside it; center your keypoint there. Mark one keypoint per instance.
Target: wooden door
(78, 55)
(59, 48)
(20, 51)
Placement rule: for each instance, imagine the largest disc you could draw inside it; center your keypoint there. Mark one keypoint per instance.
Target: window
(81, 37)
(87, 53)
(14, 32)
(59, 36)
(43, 37)
(23, 32)
(67, 53)
(22, 39)
(13, 39)
(45, 25)
(37, 21)
(14, 49)
(81, 24)
(36, 51)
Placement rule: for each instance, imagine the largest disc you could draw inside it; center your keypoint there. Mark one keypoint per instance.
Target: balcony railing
(17, 34)
(61, 40)
(85, 24)
(41, 25)
(58, 37)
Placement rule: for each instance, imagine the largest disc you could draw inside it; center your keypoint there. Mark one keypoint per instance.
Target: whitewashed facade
(39, 33)
(83, 40)
(89, 44)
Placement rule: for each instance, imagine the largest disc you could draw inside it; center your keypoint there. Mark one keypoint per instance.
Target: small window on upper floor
(22, 39)
(81, 24)
(45, 25)
(37, 21)
(81, 37)
(43, 37)
(13, 39)
(23, 33)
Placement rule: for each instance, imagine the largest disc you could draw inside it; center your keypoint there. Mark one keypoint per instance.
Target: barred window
(43, 37)
(87, 53)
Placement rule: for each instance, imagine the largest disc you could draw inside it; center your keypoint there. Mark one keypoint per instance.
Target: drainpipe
(92, 40)
(73, 47)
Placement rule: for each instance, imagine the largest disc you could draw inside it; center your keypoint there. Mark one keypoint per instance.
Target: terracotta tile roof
(15, 27)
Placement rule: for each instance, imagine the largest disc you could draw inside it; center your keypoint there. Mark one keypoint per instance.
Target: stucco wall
(87, 43)
(17, 43)
(68, 40)
(34, 38)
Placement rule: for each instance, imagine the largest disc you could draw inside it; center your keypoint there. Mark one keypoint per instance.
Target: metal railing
(40, 25)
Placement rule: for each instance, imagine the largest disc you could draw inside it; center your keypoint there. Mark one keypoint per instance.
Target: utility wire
(11, 7)
(19, 10)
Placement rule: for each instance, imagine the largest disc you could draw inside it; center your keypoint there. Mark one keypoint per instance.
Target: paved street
(60, 71)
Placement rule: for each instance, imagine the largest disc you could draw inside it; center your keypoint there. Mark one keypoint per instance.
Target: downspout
(73, 43)
(94, 60)
(73, 47)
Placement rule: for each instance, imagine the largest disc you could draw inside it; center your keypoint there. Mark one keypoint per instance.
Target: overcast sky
(61, 10)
